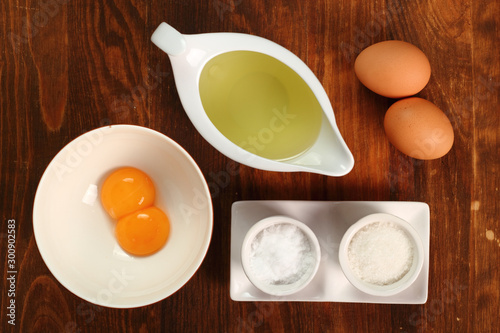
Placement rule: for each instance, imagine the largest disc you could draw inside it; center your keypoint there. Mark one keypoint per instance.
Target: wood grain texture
(484, 237)
(67, 67)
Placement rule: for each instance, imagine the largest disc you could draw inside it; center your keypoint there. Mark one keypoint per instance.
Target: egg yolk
(128, 195)
(143, 232)
(125, 191)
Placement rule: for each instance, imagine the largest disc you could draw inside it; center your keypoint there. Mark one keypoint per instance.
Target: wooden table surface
(67, 67)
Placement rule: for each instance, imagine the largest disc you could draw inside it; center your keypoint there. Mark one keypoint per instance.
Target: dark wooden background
(67, 67)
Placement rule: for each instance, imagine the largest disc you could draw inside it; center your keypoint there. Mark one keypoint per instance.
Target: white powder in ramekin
(381, 253)
(281, 254)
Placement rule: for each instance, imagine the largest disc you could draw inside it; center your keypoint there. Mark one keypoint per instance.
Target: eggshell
(393, 68)
(418, 128)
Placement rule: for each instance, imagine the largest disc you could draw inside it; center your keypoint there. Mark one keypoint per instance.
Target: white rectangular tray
(329, 220)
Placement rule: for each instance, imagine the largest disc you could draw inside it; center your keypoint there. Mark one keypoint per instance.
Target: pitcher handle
(169, 40)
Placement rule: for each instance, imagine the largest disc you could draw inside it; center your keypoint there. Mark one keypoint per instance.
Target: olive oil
(260, 104)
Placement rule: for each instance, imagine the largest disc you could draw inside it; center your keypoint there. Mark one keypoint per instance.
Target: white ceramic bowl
(76, 237)
(389, 289)
(279, 289)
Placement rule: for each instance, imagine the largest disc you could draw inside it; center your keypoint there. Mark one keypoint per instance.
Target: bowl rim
(264, 224)
(144, 131)
(398, 286)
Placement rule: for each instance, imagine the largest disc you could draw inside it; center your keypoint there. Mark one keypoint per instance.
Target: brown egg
(393, 68)
(418, 128)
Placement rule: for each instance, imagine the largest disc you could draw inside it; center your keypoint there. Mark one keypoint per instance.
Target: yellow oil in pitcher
(260, 104)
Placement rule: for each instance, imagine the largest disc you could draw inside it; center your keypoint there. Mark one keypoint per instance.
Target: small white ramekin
(401, 284)
(282, 289)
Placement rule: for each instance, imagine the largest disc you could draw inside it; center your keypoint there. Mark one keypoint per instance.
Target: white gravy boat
(328, 155)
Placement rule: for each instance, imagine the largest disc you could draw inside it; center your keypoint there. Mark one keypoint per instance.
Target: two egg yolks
(128, 195)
